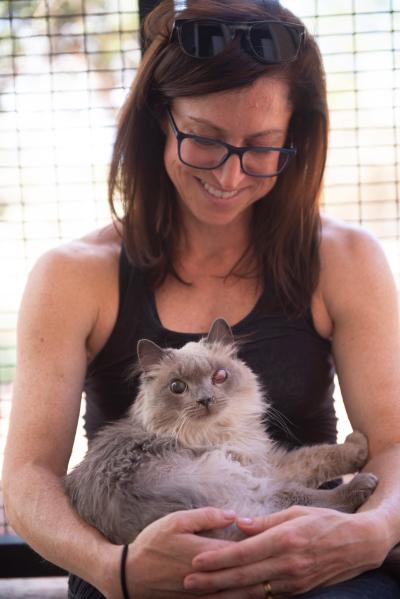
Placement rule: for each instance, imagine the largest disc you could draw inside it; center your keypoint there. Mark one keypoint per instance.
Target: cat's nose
(205, 401)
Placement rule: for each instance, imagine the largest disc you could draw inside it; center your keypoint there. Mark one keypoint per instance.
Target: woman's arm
(363, 298)
(301, 548)
(59, 316)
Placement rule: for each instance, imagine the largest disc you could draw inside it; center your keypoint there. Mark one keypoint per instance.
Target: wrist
(377, 530)
(109, 582)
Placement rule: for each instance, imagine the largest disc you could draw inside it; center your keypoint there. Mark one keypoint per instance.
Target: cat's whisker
(182, 420)
(177, 426)
(180, 428)
(280, 417)
(275, 416)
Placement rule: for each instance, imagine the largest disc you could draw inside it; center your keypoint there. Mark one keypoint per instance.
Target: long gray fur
(206, 446)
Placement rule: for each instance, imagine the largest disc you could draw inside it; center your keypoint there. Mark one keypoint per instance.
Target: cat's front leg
(347, 497)
(319, 463)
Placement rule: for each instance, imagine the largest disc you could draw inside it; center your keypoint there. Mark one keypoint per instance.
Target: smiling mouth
(218, 193)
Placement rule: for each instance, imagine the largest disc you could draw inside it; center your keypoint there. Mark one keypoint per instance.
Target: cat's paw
(361, 487)
(357, 443)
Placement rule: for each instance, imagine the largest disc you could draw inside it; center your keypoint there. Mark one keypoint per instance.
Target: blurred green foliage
(18, 8)
(102, 31)
(39, 38)
(7, 364)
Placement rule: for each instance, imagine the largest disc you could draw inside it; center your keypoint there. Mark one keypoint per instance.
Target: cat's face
(193, 382)
(195, 387)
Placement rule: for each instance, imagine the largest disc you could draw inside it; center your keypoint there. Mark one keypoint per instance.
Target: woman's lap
(79, 589)
(370, 585)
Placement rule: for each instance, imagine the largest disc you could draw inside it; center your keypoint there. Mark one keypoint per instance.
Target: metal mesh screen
(65, 66)
(360, 43)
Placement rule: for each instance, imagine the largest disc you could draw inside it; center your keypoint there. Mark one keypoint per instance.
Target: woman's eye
(219, 376)
(203, 142)
(177, 386)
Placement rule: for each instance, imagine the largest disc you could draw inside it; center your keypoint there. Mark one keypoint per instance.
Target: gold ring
(267, 590)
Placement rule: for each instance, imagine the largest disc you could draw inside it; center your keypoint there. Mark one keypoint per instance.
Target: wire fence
(65, 68)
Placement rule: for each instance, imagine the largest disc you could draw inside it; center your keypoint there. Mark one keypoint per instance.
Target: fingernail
(189, 583)
(245, 521)
(229, 514)
(198, 563)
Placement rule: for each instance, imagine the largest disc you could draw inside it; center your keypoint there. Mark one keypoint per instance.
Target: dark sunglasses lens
(275, 42)
(202, 39)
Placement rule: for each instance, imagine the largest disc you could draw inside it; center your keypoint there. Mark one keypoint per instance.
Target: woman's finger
(233, 578)
(278, 540)
(201, 519)
(279, 589)
(253, 526)
(287, 571)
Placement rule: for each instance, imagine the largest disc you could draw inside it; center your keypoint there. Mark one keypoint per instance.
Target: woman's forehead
(262, 106)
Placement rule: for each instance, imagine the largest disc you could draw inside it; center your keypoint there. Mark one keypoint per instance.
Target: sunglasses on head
(269, 42)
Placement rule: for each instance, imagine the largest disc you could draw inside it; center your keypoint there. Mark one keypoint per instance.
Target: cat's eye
(219, 376)
(177, 386)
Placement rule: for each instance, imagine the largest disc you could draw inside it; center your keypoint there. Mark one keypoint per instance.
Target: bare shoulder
(79, 258)
(89, 263)
(353, 267)
(70, 293)
(75, 286)
(338, 236)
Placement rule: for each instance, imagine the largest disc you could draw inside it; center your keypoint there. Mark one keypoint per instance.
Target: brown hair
(286, 224)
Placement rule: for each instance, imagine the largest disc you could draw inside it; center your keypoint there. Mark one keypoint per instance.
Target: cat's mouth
(205, 412)
(206, 407)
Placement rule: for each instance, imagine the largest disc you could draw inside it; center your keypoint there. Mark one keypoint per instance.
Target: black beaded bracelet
(123, 571)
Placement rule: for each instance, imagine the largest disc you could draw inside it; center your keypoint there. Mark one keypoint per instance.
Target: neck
(213, 249)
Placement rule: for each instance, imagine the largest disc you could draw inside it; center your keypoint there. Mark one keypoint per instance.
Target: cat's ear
(220, 331)
(149, 354)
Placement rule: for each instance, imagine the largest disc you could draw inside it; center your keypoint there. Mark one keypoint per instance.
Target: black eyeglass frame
(243, 27)
(231, 150)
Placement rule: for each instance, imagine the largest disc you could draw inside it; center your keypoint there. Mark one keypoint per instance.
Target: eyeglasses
(208, 154)
(269, 42)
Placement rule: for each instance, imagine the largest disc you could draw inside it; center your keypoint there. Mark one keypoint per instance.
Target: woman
(218, 163)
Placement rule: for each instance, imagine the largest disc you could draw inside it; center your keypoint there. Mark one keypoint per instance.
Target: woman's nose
(230, 175)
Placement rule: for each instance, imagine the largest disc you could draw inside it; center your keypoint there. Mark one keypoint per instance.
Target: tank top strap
(124, 275)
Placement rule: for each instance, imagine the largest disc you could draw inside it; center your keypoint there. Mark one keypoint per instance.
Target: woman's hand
(294, 550)
(161, 555)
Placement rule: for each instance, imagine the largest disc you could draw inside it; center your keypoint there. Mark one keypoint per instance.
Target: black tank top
(293, 362)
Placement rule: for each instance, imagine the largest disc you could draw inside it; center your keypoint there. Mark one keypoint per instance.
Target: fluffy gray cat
(195, 437)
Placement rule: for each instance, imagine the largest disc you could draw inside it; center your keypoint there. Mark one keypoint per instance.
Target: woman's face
(258, 116)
